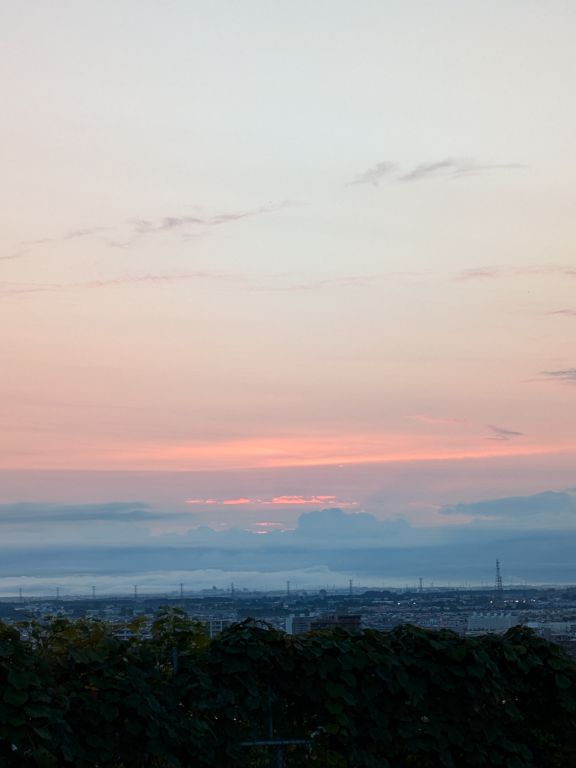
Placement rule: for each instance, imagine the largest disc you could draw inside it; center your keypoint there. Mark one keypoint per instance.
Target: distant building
(562, 633)
(349, 621)
(298, 625)
(490, 623)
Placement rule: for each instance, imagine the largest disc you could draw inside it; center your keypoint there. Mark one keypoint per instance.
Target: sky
(258, 259)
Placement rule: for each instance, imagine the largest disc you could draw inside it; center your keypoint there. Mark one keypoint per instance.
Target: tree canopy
(73, 693)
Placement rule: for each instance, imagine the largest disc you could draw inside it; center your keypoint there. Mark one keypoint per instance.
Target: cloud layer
(549, 508)
(533, 536)
(114, 512)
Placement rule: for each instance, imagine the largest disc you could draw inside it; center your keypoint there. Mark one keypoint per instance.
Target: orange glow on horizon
(302, 501)
(284, 451)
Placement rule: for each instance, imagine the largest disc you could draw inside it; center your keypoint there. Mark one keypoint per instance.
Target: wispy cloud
(173, 223)
(533, 270)
(7, 289)
(451, 168)
(12, 256)
(74, 234)
(564, 376)
(19, 289)
(478, 274)
(501, 434)
(429, 170)
(162, 278)
(564, 312)
(26, 246)
(375, 175)
(263, 283)
(119, 237)
(446, 168)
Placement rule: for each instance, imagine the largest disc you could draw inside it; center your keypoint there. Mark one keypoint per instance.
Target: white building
(483, 623)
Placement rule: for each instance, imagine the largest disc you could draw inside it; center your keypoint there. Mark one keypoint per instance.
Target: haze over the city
(260, 260)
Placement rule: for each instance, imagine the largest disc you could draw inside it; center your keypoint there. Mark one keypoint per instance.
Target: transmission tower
(498, 588)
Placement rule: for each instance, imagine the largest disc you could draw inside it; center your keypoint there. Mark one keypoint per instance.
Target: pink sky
(240, 264)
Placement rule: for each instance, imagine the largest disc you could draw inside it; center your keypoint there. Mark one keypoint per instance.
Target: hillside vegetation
(71, 693)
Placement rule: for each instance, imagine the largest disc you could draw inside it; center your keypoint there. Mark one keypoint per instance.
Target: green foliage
(72, 693)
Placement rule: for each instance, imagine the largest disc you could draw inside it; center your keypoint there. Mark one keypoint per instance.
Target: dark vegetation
(71, 693)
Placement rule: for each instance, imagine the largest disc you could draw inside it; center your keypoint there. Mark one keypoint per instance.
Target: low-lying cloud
(331, 524)
(551, 508)
(113, 512)
(533, 536)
